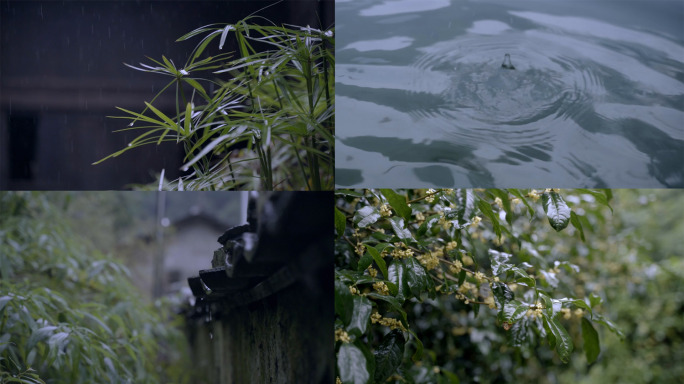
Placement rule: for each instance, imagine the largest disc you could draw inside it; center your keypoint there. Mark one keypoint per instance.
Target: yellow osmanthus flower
(467, 260)
(480, 277)
(451, 246)
(372, 271)
(341, 335)
(455, 267)
(516, 201)
(490, 302)
(353, 290)
(534, 195)
(398, 253)
(498, 202)
(431, 195)
(338, 380)
(566, 313)
(392, 323)
(385, 210)
(375, 317)
(444, 222)
(476, 221)
(429, 260)
(420, 217)
(579, 312)
(360, 249)
(381, 287)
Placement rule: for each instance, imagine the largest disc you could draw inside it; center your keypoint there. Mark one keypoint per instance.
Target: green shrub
(69, 314)
(279, 103)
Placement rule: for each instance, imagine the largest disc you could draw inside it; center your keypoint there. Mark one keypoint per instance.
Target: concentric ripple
(544, 82)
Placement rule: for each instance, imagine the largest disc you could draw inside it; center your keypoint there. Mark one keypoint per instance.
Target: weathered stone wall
(285, 338)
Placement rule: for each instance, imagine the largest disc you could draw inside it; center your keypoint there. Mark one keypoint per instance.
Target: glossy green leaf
(557, 211)
(418, 355)
(187, 119)
(574, 219)
(594, 300)
(513, 311)
(366, 216)
(396, 273)
(170, 123)
(360, 316)
(563, 342)
(418, 279)
(505, 202)
(398, 203)
(519, 195)
(602, 197)
(393, 302)
(344, 303)
(375, 254)
(340, 222)
(365, 261)
(502, 294)
(498, 261)
(487, 211)
(609, 324)
(388, 355)
(591, 341)
(399, 228)
(465, 205)
(353, 365)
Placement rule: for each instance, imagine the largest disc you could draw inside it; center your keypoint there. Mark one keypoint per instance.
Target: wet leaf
(388, 355)
(360, 316)
(591, 341)
(502, 294)
(340, 222)
(557, 211)
(498, 261)
(465, 201)
(375, 254)
(418, 279)
(574, 219)
(396, 273)
(487, 211)
(398, 227)
(561, 339)
(513, 311)
(366, 216)
(344, 303)
(353, 365)
(398, 203)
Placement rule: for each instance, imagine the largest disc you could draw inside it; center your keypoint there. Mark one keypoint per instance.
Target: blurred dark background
(62, 73)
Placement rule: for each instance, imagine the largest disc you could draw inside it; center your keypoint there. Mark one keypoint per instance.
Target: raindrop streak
(41, 12)
(211, 335)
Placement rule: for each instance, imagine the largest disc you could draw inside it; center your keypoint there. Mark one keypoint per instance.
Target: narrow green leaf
(340, 222)
(487, 211)
(360, 316)
(418, 355)
(556, 210)
(591, 341)
(611, 326)
(465, 201)
(353, 365)
(365, 261)
(574, 219)
(563, 341)
(601, 197)
(388, 355)
(224, 34)
(521, 197)
(198, 87)
(169, 65)
(398, 203)
(375, 254)
(170, 123)
(188, 118)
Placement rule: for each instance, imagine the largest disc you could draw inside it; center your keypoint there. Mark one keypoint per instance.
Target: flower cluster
(385, 210)
(341, 335)
(476, 221)
(398, 253)
(535, 310)
(455, 267)
(386, 321)
(430, 195)
(429, 260)
(444, 222)
(450, 246)
(372, 271)
(354, 290)
(534, 195)
(381, 287)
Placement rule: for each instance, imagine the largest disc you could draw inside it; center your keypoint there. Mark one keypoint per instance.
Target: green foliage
(69, 314)
(446, 286)
(279, 103)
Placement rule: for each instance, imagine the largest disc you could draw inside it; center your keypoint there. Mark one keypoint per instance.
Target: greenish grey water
(596, 98)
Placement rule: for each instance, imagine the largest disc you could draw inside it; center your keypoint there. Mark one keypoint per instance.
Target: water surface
(596, 98)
